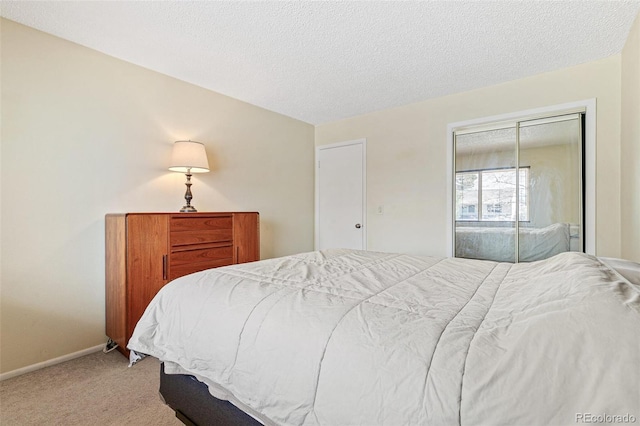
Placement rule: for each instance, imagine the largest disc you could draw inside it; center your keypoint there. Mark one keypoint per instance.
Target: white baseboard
(48, 363)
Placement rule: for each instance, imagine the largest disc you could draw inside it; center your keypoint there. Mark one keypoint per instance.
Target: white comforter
(362, 338)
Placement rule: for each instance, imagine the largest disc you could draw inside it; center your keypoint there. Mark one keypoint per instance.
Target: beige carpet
(97, 389)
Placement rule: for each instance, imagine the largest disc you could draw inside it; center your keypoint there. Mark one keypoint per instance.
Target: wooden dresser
(144, 251)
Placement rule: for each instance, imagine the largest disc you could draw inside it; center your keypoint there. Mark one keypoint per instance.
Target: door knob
(358, 226)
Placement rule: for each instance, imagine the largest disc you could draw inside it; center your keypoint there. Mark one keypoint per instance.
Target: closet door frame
(588, 107)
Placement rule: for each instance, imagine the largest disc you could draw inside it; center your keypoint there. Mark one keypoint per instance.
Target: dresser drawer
(200, 223)
(201, 255)
(200, 237)
(200, 230)
(189, 268)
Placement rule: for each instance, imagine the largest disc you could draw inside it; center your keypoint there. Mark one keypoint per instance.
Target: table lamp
(189, 157)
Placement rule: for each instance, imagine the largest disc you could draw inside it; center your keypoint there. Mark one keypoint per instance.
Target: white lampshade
(189, 155)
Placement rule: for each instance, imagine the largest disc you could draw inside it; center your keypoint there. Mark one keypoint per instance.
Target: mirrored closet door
(519, 189)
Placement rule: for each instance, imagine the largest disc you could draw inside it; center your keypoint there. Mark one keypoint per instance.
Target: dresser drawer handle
(164, 266)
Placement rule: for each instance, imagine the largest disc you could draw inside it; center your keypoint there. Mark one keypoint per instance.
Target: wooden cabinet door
(147, 267)
(246, 237)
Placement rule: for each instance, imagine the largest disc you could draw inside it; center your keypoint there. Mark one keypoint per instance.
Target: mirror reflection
(545, 195)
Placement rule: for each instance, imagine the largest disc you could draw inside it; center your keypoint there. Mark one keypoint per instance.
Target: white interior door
(340, 196)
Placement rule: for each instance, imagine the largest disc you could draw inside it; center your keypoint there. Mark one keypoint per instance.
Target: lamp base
(188, 208)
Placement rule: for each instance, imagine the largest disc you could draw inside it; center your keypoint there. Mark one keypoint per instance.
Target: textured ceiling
(325, 61)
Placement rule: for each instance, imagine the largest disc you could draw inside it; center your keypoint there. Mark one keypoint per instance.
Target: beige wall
(406, 152)
(84, 134)
(630, 147)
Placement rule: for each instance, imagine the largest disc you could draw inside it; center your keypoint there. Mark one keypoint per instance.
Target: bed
(498, 243)
(343, 337)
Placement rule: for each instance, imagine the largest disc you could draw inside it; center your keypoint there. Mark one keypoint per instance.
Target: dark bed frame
(194, 405)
